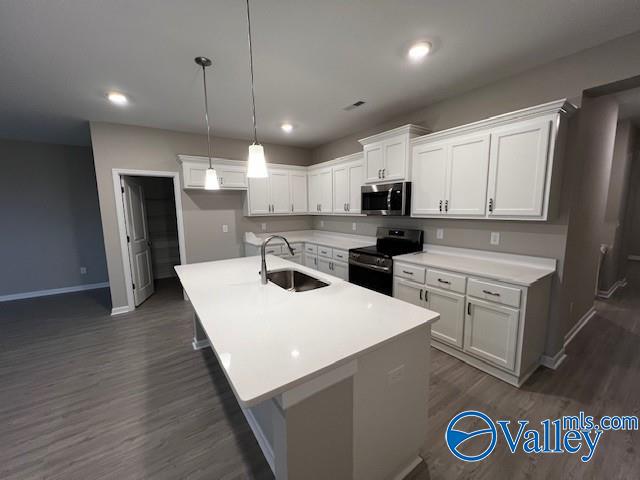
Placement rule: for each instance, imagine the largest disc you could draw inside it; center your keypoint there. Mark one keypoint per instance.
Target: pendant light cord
(253, 95)
(206, 112)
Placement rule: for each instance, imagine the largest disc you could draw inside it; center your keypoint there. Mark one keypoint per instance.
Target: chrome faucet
(263, 267)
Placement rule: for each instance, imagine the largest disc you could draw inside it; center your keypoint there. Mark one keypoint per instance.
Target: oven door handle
(377, 268)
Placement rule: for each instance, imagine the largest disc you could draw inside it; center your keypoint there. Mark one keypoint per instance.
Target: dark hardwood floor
(84, 395)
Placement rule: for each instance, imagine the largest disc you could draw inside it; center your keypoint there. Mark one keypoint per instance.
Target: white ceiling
(312, 58)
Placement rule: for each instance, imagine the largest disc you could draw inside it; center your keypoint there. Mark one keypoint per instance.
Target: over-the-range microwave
(386, 198)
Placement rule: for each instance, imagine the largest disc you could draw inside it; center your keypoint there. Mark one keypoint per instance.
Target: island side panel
(390, 406)
(200, 339)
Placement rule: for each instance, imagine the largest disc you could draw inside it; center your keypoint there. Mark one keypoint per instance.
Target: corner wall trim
(553, 362)
(121, 310)
(53, 291)
(579, 326)
(609, 293)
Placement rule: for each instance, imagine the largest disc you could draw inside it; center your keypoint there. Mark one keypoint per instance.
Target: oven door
(373, 277)
(386, 199)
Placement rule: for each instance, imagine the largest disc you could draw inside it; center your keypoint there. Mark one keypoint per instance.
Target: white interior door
(259, 196)
(429, 179)
(340, 188)
(137, 239)
(518, 169)
(356, 179)
(450, 306)
(298, 187)
(279, 191)
(467, 176)
(395, 158)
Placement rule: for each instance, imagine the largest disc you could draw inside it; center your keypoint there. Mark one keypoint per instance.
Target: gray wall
(631, 235)
(50, 218)
(128, 147)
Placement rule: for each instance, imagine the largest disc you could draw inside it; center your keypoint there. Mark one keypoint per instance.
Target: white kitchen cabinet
(518, 174)
(409, 291)
(324, 265)
(340, 270)
(449, 329)
(232, 175)
(259, 196)
(429, 180)
(310, 260)
(467, 171)
(491, 331)
(279, 191)
(298, 191)
(386, 155)
(348, 178)
(321, 190)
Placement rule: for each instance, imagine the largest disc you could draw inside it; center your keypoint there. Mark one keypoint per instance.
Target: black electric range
(372, 267)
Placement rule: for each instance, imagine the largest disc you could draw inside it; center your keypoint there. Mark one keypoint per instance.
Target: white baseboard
(579, 326)
(121, 310)
(609, 293)
(53, 291)
(408, 469)
(635, 258)
(553, 362)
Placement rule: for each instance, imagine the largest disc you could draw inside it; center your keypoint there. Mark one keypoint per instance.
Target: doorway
(149, 211)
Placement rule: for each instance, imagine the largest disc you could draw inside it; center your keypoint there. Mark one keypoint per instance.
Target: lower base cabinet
(331, 267)
(449, 329)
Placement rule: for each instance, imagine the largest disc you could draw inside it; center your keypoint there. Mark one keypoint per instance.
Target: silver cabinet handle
(446, 205)
(440, 205)
(292, 207)
(490, 205)
(221, 181)
(379, 173)
(407, 272)
(495, 294)
(420, 294)
(384, 172)
(348, 207)
(444, 281)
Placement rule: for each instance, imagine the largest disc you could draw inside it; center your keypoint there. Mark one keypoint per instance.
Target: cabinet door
(314, 192)
(429, 179)
(409, 291)
(374, 162)
(324, 265)
(298, 191)
(310, 260)
(325, 186)
(193, 175)
(340, 188)
(518, 169)
(231, 177)
(340, 270)
(395, 158)
(356, 179)
(450, 306)
(491, 332)
(279, 189)
(259, 201)
(468, 170)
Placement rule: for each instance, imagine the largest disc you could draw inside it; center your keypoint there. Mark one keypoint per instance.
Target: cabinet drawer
(494, 293)
(311, 248)
(273, 249)
(341, 255)
(411, 272)
(447, 281)
(325, 252)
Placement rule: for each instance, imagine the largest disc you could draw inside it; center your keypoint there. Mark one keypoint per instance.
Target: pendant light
(257, 167)
(211, 177)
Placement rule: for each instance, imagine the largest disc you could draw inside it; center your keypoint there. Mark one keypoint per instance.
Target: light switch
(264, 227)
(322, 223)
(83, 270)
(353, 226)
(495, 238)
(440, 233)
(225, 228)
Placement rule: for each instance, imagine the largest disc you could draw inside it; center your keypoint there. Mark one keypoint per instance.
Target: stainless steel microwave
(386, 199)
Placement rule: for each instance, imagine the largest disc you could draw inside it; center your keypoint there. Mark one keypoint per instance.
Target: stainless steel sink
(294, 280)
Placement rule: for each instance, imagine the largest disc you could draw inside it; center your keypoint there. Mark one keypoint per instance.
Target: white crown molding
(409, 129)
(180, 158)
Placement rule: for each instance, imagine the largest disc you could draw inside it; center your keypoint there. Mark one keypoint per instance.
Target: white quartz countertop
(269, 340)
(343, 241)
(506, 268)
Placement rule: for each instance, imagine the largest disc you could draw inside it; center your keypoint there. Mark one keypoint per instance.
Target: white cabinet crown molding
(181, 159)
(562, 107)
(410, 129)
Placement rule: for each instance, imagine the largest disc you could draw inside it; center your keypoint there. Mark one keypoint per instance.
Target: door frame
(117, 173)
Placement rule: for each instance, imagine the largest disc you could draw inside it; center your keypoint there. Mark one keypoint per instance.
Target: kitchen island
(333, 381)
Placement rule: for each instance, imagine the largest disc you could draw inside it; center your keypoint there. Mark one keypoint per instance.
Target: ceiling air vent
(357, 104)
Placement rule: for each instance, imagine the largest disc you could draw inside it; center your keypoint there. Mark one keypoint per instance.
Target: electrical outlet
(353, 226)
(495, 238)
(264, 227)
(322, 223)
(396, 375)
(440, 233)
(83, 270)
(225, 228)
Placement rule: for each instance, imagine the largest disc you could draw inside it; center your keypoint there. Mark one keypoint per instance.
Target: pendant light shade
(211, 180)
(211, 177)
(257, 165)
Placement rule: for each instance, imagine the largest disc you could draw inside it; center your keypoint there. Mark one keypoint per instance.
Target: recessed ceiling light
(117, 98)
(286, 127)
(418, 51)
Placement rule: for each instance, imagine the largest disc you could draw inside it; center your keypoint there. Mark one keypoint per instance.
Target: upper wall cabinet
(232, 174)
(320, 190)
(506, 167)
(283, 192)
(387, 154)
(348, 178)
